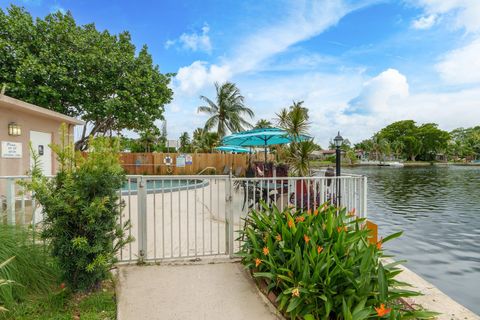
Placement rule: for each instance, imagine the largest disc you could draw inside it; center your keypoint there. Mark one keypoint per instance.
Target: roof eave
(31, 108)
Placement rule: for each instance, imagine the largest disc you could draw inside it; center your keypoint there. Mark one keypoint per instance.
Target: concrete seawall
(433, 299)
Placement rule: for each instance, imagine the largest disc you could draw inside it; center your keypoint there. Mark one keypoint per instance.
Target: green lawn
(62, 305)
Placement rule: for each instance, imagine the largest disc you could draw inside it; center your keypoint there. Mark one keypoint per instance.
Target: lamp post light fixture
(338, 140)
(14, 129)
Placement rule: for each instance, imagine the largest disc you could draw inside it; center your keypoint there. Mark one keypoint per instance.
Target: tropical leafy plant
(228, 112)
(204, 141)
(321, 265)
(294, 120)
(298, 156)
(81, 206)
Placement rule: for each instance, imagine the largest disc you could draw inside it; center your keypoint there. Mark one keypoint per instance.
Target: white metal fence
(176, 217)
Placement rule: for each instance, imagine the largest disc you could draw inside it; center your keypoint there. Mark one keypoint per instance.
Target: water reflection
(438, 208)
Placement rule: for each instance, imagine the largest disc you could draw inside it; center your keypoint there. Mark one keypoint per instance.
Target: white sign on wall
(180, 161)
(11, 149)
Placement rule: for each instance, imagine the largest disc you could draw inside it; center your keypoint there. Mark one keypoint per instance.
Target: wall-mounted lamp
(14, 129)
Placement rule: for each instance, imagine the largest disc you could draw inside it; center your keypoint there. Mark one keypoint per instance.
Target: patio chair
(260, 172)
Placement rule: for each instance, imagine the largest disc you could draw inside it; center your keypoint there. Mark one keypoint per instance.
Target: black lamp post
(338, 140)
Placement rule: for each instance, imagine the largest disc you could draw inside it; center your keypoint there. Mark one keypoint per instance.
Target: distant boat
(394, 164)
(382, 163)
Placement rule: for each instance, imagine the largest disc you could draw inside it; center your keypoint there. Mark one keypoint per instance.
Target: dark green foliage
(185, 144)
(465, 142)
(80, 71)
(321, 264)
(424, 141)
(204, 141)
(82, 206)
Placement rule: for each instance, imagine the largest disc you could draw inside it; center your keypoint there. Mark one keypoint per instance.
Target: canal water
(438, 208)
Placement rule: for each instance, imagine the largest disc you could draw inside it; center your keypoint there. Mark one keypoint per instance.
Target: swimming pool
(164, 185)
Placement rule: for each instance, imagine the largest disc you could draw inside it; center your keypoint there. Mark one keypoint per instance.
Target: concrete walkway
(190, 291)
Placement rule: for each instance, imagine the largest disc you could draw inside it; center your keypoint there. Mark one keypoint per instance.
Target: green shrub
(81, 206)
(31, 270)
(321, 265)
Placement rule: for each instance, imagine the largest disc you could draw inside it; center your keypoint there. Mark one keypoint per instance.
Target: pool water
(166, 185)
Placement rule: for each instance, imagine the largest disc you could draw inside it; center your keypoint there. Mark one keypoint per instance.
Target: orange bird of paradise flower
(300, 219)
(382, 311)
(379, 244)
(295, 292)
(278, 237)
(315, 213)
(290, 223)
(319, 249)
(309, 212)
(258, 262)
(266, 251)
(306, 238)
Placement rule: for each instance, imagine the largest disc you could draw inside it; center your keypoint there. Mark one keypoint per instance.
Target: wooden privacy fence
(154, 163)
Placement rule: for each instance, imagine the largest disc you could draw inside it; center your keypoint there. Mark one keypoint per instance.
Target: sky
(358, 65)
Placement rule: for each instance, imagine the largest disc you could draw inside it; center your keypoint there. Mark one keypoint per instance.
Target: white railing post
(229, 232)
(364, 200)
(10, 201)
(142, 218)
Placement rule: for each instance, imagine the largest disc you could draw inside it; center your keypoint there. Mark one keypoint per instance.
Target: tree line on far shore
(407, 140)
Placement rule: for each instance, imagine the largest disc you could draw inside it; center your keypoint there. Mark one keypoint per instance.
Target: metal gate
(178, 217)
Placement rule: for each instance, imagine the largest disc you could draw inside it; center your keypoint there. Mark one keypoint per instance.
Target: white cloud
(461, 66)
(197, 42)
(303, 20)
(425, 22)
(379, 91)
(193, 41)
(169, 43)
(464, 13)
(56, 8)
(391, 101)
(194, 77)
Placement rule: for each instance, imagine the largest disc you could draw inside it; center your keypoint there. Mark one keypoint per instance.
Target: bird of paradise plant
(323, 266)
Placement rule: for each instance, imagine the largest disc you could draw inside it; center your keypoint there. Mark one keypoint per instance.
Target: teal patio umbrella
(263, 137)
(236, 149)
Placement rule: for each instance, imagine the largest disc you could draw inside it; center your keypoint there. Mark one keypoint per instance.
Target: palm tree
(228, 112)
(298, 156)
(263, 123)
(294, 120)
(204, 141)
(185, 142)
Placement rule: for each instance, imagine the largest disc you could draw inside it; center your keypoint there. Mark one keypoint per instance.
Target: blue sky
(357, 64)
